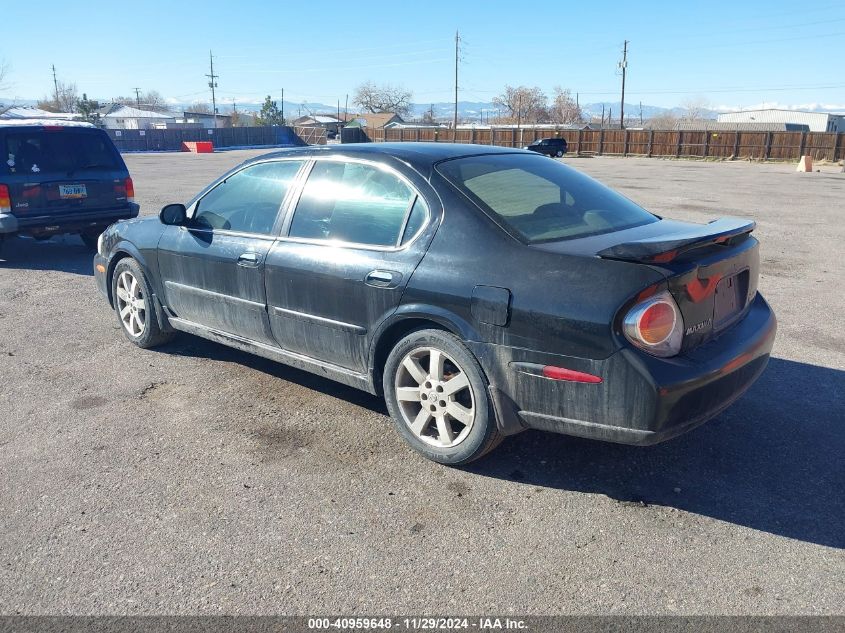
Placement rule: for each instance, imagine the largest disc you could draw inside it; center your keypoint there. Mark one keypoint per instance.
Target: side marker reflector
(100, 268)
(561, 373)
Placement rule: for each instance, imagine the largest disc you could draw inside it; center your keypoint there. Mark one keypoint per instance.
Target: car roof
(42, 123)
(420, 156)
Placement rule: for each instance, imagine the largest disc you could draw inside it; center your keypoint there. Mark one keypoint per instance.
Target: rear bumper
(642, 399)
(65, 222)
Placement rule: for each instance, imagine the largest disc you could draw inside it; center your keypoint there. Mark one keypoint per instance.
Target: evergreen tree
(270, 114)
(88, 109)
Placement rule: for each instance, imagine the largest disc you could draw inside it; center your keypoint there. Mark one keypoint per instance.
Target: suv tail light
(5, 200)
(130, 190)
(655, 325)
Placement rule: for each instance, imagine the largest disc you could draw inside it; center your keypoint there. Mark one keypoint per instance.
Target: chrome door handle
(249, 259)
(382, 278)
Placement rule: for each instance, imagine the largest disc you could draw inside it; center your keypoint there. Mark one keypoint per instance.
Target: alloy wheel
(131, 305)
(435, 397)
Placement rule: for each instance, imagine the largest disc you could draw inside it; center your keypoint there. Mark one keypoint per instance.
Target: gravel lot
(196, 479)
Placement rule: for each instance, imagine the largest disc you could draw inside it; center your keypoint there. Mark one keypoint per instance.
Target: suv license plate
(67, 192)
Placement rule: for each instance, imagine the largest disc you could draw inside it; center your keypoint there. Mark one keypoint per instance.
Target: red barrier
(198, 147)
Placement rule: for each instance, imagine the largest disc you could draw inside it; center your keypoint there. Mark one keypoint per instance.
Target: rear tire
(559, 154)
(133, 305)
(437, 395)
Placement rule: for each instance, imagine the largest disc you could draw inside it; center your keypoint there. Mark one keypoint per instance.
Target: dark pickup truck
(61, 177)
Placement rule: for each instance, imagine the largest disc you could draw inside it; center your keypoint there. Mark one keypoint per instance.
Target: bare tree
(522, 104)
(695, 108)
(200, 107)
(664, 121)
(383, 98)
(65, 100)
(564, 108)
(150, 100)
(4, 73)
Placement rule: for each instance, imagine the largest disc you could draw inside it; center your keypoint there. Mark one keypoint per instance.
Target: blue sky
(730, 54)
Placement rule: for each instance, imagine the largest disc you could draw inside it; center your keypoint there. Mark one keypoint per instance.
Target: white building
(817, 121)
(128, 118)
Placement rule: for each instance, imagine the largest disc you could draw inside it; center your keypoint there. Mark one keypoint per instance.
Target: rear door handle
(249, 260)
(383, 278)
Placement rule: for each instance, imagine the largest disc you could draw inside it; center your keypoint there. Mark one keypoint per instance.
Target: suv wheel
(437, 396)
(559, 153)
(133, 305)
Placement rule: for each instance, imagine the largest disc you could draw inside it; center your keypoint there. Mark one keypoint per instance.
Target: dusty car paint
(516, 306)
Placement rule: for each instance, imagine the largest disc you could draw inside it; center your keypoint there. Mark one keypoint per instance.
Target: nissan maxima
(482, 291)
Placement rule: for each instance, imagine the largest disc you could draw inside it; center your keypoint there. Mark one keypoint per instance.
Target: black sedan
(482, 290)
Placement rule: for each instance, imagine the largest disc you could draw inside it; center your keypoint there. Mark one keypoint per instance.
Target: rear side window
(353, 202)
(248, 201)
(59, 152)
(538, 200)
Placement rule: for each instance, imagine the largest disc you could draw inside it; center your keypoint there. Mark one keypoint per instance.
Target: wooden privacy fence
(785, 146)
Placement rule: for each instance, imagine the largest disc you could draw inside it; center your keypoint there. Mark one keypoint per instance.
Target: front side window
(538, 200)
(352, 202)
(248, 201)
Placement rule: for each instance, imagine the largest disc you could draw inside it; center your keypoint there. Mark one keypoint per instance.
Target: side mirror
(173, 215)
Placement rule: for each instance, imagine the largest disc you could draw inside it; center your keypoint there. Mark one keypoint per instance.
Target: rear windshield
(59, 152)
(541, 200)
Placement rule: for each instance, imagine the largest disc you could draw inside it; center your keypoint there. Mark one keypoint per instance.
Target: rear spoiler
(665, 248)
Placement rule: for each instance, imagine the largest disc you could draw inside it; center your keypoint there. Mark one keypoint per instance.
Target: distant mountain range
(467, 110)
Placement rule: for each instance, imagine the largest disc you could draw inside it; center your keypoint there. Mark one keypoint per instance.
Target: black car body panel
(62, 177)
(337, 308)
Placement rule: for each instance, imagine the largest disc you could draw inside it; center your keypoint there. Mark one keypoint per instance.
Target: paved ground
(196, 479)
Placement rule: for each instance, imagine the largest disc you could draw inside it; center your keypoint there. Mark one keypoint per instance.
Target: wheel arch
(122, 251)
(409, 319)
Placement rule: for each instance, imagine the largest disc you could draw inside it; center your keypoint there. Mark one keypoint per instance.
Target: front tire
(559, 154)
(133, 305)
(436, 394)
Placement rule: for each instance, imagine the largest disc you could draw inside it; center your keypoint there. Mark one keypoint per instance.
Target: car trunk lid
(711, 270)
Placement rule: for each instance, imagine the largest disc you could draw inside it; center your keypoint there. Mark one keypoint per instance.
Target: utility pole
(56, 86)
(602, 115)
(457, 56)
(624, 66)
(641, 113)
(346, 108)
(283, 104)
(212, 84)
(137, 97)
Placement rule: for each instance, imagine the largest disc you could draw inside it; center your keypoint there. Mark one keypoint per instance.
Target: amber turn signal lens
(100, 268)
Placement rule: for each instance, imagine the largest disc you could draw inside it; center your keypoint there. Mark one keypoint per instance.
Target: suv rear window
(59, 152)
(539, 200)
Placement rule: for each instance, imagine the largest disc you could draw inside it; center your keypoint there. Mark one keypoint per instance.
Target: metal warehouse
(817, 121)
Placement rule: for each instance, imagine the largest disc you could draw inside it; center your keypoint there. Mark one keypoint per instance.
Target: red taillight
(655, 325)
(130, 190)
(561, 373)
(5, 200)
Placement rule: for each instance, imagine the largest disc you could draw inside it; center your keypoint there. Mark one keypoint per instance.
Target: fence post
(578, 150)
(678, 147)
(472, 136)
(625, 144)
(833, 149)
(802, 145)
(513, 137)
(706, 143)
(769, 136)
(650, 142)
(601, 141)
